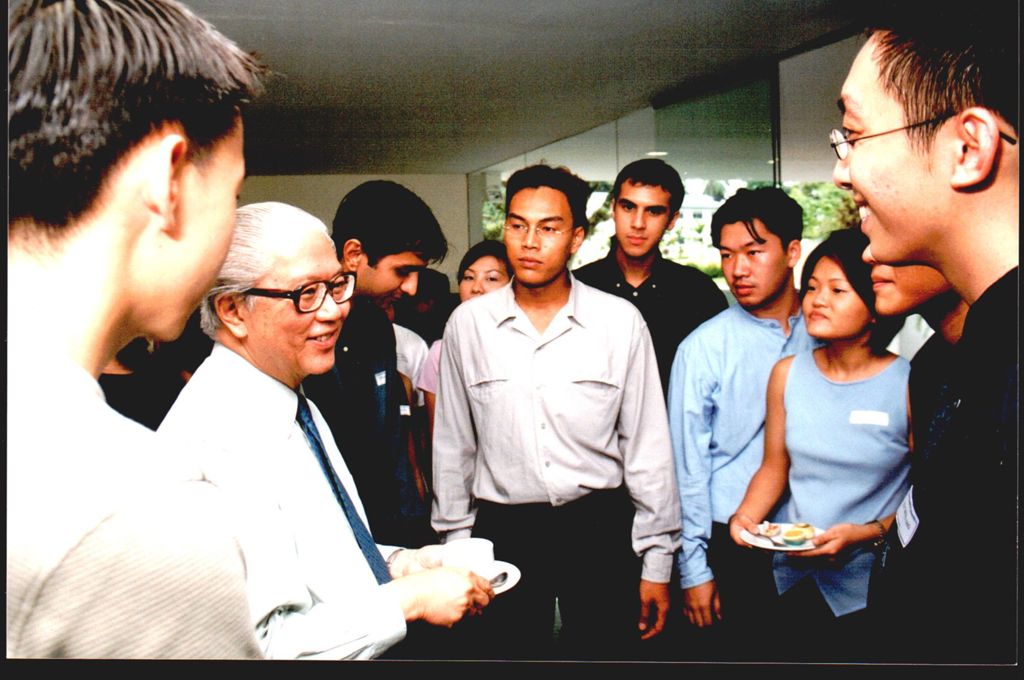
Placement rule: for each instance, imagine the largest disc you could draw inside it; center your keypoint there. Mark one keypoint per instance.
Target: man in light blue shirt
(716, 406)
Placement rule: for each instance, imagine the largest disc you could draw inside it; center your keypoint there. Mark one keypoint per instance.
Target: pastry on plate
(794, 536)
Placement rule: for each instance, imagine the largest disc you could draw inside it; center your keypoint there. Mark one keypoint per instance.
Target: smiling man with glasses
(551, 439)
(319, 585)
(945, 192)
(309, 297)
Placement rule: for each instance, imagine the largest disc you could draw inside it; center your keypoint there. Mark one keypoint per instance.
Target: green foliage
(826, 207)
(494, 213)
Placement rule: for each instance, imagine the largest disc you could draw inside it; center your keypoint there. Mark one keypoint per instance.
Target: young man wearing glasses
(319, 585)
(929, 151)
(551, 439)
(124, 165)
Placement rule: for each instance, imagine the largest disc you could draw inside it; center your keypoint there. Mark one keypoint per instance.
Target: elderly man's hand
(442, 596)
(409, 561)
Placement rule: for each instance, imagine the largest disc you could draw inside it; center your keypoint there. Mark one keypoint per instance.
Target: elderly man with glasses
(319, 586)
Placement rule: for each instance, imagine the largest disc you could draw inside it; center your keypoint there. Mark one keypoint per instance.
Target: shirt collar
(577, 308)
(770, 323)
(265, 405)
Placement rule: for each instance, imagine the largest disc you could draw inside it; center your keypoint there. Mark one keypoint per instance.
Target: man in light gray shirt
(551, 439)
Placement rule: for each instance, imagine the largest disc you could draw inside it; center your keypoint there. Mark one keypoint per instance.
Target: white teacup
(474, 554)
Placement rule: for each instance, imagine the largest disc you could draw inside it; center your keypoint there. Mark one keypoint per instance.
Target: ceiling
(454, 86)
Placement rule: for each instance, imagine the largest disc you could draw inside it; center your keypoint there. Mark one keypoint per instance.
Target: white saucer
(496, 568)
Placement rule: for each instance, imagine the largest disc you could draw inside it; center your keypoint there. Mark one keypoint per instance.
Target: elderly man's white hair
(254, 245)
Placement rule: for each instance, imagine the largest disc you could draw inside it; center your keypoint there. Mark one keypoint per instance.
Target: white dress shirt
(410, 353)
(311, 591)
(525, 417)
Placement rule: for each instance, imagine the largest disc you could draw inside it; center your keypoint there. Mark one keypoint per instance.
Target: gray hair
(258, 229)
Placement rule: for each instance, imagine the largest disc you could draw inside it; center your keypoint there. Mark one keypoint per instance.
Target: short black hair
(90, 80)
(845, 247)
(575, 189)
(945, 59)
(387, 219)
(653, 172)
(780, 214)
(484, 248)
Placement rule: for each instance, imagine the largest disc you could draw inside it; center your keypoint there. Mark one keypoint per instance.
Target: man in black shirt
(929, 149)
(673, 298)
(386, 234)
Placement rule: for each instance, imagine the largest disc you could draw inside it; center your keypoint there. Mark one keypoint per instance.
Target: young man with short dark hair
(930, 151)
(716, 406)
(124, 160)
(551, 440)
(673, 298)
(386, 235)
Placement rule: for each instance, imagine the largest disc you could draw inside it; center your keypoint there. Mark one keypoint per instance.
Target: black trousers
(807, 631)
(580, 554)
(748, 598)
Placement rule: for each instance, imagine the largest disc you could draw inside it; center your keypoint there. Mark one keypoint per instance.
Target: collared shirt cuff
(688, 580)
(458, 533)
(657, 567)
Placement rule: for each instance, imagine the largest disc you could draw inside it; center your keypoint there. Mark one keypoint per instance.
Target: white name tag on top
(880, 418)
(381, 378)
(906, 519)
(404, 410)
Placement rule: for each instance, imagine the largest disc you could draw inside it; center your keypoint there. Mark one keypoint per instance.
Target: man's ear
(672, 221)
(578, 235)
(233, 314)
(161, 195)
(793, 251)
(977, 147)
(352, 255)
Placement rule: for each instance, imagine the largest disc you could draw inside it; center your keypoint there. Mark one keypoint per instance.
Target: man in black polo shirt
(386, 234)
(673, 298)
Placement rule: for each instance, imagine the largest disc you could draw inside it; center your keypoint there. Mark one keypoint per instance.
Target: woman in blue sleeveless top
(837, 439)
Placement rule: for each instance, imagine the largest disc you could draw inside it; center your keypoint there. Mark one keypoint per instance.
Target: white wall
(809, 86)
(319, 195)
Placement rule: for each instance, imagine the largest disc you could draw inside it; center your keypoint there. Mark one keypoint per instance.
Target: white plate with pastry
(782, 536)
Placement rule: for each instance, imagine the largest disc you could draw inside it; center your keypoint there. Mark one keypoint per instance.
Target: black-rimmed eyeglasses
(310, 297)
(841, 143)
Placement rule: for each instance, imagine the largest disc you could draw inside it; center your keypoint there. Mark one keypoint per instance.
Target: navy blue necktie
(362, 534)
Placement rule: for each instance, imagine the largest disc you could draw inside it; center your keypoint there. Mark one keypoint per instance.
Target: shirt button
(344, 349)
(543, 426)
(635, 293)
(547, 463)
(618, 285)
